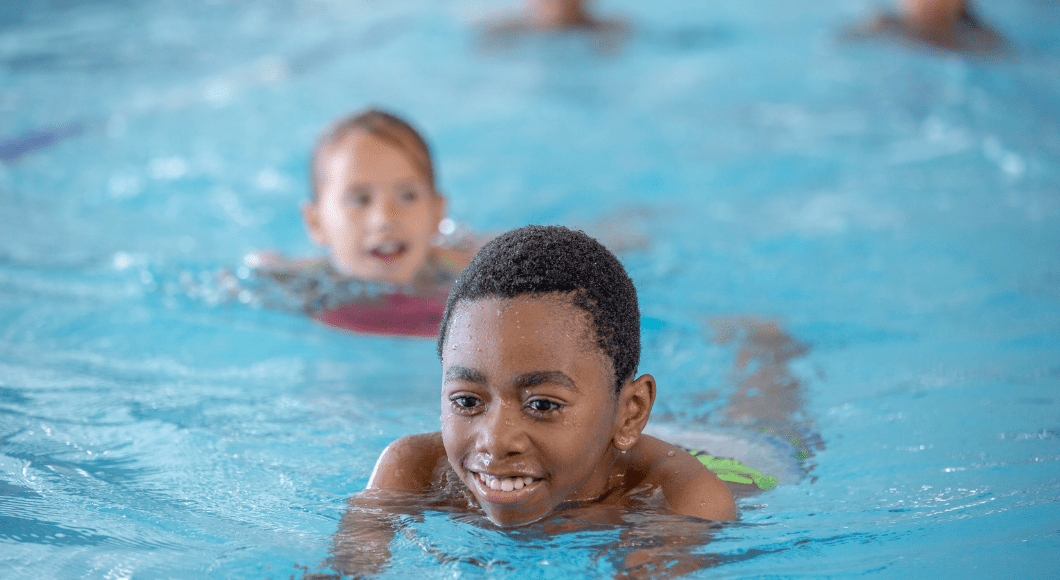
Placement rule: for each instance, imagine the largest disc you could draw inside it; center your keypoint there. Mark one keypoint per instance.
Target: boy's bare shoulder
(689, 487)
(408, 463)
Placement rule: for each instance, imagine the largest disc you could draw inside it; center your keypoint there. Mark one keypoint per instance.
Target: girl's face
(529, 411)
(376, 213)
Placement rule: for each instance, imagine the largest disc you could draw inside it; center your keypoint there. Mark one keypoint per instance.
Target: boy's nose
(501, 434)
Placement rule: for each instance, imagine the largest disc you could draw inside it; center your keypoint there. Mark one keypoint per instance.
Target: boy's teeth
(505, 483)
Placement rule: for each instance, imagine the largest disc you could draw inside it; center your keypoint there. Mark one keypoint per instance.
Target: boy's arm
(361, 546)
(691, 490)
(702, 495)
(689, 487)
(408, 463)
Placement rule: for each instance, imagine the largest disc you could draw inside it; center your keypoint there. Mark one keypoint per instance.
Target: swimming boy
(541, 406)
(376, 209)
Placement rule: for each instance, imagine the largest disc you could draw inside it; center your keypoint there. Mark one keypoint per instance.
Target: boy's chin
(505, 519)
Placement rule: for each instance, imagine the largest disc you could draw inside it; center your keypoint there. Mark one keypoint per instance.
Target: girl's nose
(383, 212)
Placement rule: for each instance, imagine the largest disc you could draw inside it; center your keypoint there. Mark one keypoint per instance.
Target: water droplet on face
(671, 453)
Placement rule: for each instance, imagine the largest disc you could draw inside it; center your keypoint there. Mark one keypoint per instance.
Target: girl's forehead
(362, 142)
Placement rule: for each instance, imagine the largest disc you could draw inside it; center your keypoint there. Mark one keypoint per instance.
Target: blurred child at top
(946, 24)
(558, 14)
(550, 16)
(377, 212)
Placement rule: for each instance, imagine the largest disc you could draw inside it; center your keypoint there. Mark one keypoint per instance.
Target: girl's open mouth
(390, 252)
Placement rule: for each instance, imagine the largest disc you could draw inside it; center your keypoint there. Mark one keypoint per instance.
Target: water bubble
(124, 185)
(122, 260)
(270, 180)
(1013, 165)
(168, 168)
(218, 91)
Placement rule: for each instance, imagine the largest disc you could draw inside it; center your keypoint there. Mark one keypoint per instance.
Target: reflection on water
(768, 396)
(642, 539)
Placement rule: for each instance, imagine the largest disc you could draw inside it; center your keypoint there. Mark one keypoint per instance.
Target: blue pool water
(894, 210)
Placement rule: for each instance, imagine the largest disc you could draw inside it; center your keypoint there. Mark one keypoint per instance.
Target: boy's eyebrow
(536, 378)
(465, 374)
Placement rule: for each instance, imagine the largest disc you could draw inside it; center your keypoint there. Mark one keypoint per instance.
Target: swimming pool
(895, 210)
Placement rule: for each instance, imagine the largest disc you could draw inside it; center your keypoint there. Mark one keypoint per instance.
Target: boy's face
(374, 211)
(528, 406)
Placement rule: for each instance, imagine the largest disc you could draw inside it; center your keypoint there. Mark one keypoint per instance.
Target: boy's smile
(528, 406)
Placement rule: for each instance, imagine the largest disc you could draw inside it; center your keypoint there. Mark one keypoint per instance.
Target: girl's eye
(465, 402)
(543, 405)
(359, 197)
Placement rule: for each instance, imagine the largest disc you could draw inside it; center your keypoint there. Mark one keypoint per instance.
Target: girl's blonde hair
(381, 125)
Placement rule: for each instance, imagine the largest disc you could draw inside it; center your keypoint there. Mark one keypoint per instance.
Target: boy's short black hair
(545, 259)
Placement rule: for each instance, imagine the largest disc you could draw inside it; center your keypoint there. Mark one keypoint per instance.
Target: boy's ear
(634, 407)
(311, 218)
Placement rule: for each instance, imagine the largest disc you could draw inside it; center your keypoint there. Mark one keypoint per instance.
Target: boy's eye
(543, 405)
(409, 195)
(465, 402)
